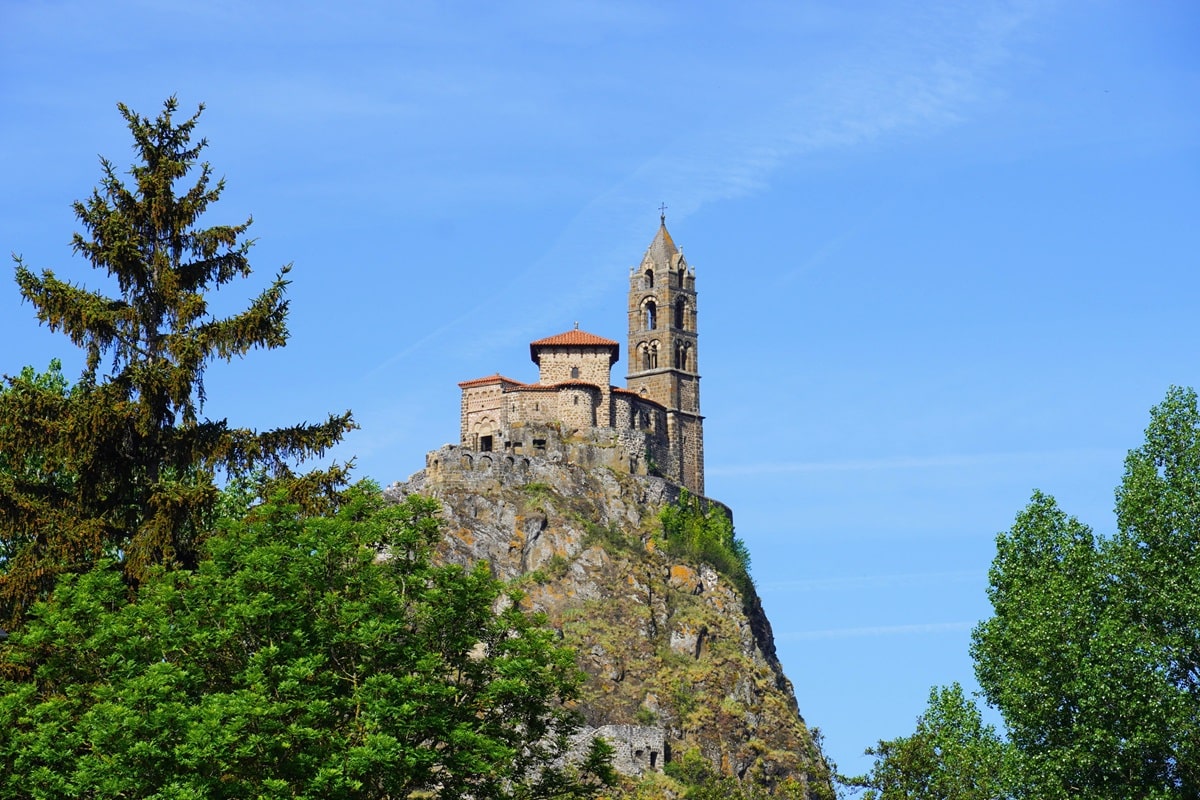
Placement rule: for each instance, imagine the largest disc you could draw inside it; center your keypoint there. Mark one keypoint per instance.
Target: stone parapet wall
(519, 452)
(553, 422)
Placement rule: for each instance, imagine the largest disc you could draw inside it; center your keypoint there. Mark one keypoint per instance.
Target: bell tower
(662, 352)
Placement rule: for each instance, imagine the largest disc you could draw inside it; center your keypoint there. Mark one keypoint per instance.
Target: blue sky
(947, 253)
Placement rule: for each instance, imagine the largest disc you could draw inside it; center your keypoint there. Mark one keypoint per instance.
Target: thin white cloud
(934, 80)
(944, 461)
(922, 75)
(921, 628)
(860, 582)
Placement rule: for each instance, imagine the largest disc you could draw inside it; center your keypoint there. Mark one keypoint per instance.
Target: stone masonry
(653, 425)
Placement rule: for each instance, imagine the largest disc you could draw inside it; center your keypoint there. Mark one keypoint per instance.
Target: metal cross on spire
(662, 213)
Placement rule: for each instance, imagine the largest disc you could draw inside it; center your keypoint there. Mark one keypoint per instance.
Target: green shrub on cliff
(703, 531)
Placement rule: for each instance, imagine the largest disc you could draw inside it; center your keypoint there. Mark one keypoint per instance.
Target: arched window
(680, 313)
(654, 355)
(651, 315)
(680, 357)
(648, 279)
(574, 372)
(688, 363)
(645, 353)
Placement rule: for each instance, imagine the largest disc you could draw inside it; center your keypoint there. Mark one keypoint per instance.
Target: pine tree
(128, 466)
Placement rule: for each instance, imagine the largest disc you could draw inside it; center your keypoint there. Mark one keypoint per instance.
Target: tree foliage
(304, 657)
(128, 463)
(28, 468)
(952, 754)
(32, 466)
(1155, 564)
(1093, 652)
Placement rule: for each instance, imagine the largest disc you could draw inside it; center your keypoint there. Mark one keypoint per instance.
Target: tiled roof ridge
(638, 395)
(574, 337)
(553, 387)
(495, 378)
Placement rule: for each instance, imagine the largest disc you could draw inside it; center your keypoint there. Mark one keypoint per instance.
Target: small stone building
(652, 426)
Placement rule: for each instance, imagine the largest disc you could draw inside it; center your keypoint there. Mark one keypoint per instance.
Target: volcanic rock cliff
(678, 660)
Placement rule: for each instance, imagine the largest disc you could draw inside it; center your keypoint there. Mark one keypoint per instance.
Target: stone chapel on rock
(651, 426)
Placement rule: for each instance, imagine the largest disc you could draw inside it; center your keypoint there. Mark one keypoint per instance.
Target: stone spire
(663, 352)
(662, 252)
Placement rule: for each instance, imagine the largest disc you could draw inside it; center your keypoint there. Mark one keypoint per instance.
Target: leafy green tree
(952, 754)
(1155, 567)
(305, 657)
(131, 461)
(1093, 652)
(1039, 657)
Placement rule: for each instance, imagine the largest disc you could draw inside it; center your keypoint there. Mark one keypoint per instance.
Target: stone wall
(533, 405)
(687, 445)
(495, 409)
(637, 749)
(585, 364)
(483, 412)
(579, 407)
(525, 445)
(657, 385)
(504, 416)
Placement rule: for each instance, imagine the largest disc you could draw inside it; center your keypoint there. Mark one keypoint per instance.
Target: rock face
(677, 659)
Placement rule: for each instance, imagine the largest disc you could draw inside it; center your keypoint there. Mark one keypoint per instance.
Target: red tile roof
(497, 378)
(554, 387)
(575, 338)
(638, 395)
